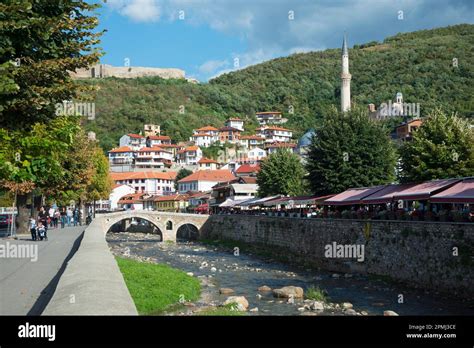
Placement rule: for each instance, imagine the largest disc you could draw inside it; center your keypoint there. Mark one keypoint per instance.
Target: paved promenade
(26, 286)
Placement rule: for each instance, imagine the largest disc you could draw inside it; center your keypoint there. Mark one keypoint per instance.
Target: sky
(206, 38)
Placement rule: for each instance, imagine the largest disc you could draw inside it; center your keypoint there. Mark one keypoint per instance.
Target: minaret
(346, 78)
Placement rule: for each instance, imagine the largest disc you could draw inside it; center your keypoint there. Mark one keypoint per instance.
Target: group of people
(51, 219)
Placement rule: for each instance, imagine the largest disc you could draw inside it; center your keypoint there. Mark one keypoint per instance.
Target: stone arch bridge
(167, 223)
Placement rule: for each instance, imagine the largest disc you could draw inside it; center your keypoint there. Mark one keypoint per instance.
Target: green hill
(418, 64)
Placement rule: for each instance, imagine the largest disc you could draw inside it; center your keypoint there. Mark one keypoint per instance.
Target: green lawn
(154, 287)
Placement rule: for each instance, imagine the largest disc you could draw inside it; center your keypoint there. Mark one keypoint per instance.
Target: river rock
(241, 301)
(254, 309)
(347, 305)
(350, 311)
(259, 296)
(226, 291)
(289, 291)
(190, 274)
(390, 314)
(213, 269)
(317, 306)
(264, 288)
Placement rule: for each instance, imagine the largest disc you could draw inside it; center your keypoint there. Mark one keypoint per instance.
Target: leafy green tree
(182, 173)
(443, 147)
(349, 150)
(281, 173)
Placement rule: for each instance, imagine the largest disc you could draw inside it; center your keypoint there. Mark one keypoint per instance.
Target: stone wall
(417, 253)
(105, 70)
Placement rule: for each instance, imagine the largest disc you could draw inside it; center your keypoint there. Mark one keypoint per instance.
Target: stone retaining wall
(421, 254)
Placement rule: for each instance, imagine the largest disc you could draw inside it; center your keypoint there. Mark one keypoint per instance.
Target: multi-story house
(152, 183)
(275, 134)
(225, 194)
(133, 201)
(274, 147)
(229, 134)
(189, 155)
(157, 140)
(121, 156)
(204, 180)
(207, 164)
(209, 131)
(405, 130)
(252, 141)
(202, 139)
(270, 117)
(172, 203)
(153, 157)
(151, 129)
(247, 170)
(235, 123)
(134, 141)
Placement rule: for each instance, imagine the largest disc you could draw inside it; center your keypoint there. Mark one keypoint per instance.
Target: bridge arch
(187, 231)
(159, 219)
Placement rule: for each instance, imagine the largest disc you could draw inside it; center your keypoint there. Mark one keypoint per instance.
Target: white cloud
(137, 10)
(211, 66)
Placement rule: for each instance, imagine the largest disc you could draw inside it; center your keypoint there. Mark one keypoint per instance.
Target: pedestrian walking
(76, 216)
(69, 216)
(43, 218)
(51, 217)
(33, 228)
(63, 217)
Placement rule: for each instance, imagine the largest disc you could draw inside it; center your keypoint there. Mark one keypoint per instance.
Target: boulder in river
(289, 291)
(240, 301)
(390, 314)
(317, 306)
(347, 305)
(264, 288)
(226, 291)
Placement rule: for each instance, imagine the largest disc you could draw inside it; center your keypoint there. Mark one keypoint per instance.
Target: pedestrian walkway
(26, 286)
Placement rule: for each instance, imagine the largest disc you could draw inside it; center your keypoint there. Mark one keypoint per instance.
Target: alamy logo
(19, 251)
(69, 108)
(345, 251)
(37, 331)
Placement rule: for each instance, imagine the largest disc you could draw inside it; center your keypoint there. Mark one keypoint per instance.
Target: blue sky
(209, 37)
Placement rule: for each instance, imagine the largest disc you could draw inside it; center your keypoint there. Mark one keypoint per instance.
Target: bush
(317, 294)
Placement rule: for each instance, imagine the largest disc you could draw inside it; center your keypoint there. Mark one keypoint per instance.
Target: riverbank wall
(428, 255)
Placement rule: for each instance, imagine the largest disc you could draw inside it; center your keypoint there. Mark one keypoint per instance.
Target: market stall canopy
(260, 201)
(425, 190)
(245, 188)
(352, 196)
(230, 203)
(386, 195)
(461, 192)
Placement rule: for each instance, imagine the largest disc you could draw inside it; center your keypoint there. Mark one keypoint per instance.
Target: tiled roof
(159, 137)
(177, 197)
(274, 128)
(229, 129)
(192, 148)
(247, 168)
(137, 136)
(235, 119)
(219, 175)
(131, 198)
(152, 149)
(201, 135)
(207, 128)
(121, 149)
(142, 175)
(207, 160)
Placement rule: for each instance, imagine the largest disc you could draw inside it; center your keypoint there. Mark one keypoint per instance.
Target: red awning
(202, 207)
(425, 190)
(462, 192)
(352, 196)
(386, 195)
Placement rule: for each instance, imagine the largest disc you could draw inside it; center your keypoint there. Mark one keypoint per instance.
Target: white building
(121, 156)
(156, 140)
(203, 139)
(151, 129)
(235, 123)
(270, 117)
(204, 180)
(275, 134)
(152, 183)
(211, 133)
(251, 141)
(153, 157)
(207, 164)
(134, 141)
(272, 148)
(189, 155)
(118, 192)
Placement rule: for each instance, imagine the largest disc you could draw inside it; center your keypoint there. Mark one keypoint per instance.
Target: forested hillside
(418, 64)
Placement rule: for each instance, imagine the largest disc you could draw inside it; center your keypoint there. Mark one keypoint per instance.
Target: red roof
(132, 135)
(177, 197)
(353, 195)
(152, 149)
(247, 168)
(207, 129)
(159, 137)
(207, 160)
(229, 129)
(131, 198)
(424, 190)
(461, 192)
(220, 175)
(274, 128)
(116, 176)
(121, 149)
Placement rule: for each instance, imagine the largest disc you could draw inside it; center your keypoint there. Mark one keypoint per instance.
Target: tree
(349, 150)
(42, 42)
(281, 173)
(183, 172)
(443, 147)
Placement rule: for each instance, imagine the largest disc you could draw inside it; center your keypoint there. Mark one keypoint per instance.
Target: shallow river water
(218, 267)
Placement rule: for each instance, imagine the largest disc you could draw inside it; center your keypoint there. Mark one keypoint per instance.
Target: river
(218, 267)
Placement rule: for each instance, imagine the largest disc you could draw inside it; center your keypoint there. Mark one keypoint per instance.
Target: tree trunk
(23, 214)
(83, 212)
